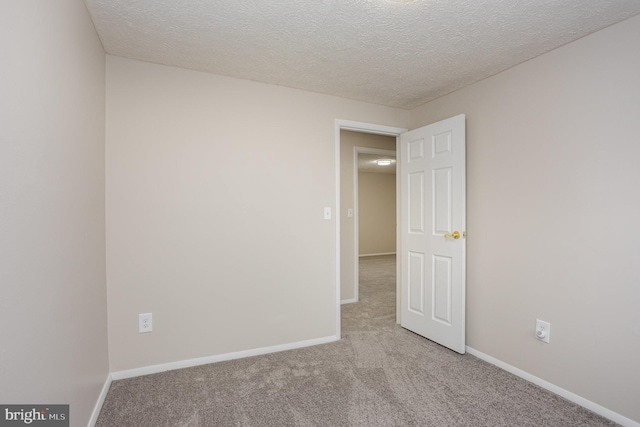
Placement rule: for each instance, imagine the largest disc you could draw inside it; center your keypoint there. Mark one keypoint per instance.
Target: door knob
(455, 235)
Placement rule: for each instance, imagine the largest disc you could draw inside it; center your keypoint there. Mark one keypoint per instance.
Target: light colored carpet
(378, 375)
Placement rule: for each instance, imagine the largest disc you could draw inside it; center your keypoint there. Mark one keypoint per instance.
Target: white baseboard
(348, 301)
(380, 254)
(600, 410)
(154, 369)
(100, 402)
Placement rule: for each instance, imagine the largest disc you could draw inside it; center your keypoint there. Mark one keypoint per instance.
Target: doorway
(431, 274)
(342, 212)
(374, 213)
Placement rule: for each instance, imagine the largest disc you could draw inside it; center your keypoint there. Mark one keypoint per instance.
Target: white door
(433, 224)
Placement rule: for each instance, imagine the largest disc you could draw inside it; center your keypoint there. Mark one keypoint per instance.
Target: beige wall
(553, 202)
(377, 212)
(215, 196)
(52, 238)
(349, 140)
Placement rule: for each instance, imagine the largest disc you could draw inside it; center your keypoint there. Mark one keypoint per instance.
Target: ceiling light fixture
(383, 162)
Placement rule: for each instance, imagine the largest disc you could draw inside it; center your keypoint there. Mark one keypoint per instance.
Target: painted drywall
(553, 203)
(377, 212)
(53, 312)
(349, 140)
(215, 195)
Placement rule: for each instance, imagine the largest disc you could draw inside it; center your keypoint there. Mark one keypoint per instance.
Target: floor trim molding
(380, 254)
(600, 410)
(154, 369)
(101, 398)
(348, 301)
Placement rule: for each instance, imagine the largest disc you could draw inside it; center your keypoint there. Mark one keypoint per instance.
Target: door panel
(416, 283)
(441, 204)
(416, 203)
(432, 184)
(442, 289)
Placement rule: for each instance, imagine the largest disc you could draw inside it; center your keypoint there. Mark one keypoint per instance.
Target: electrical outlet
(543, 330)
(145, 322)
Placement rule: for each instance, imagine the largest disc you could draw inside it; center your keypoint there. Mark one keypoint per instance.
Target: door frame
(356, 208)
(363, 128)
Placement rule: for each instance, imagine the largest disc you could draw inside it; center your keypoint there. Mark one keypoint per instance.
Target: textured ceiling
(394, 53)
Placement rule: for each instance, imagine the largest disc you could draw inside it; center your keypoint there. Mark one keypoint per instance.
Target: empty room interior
(199, 162)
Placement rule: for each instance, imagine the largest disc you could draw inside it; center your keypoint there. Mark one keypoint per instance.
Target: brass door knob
(455, 235)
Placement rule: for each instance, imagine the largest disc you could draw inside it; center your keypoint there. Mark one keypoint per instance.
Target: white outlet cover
(145, 322)
(544, 327)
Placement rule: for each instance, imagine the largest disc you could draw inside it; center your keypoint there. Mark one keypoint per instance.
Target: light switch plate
(327, 213)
